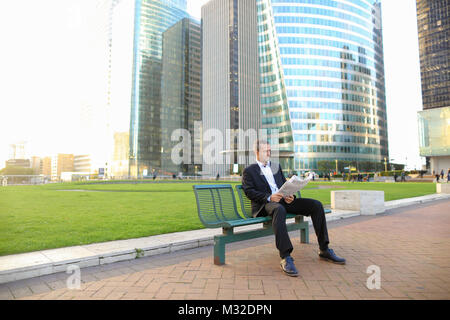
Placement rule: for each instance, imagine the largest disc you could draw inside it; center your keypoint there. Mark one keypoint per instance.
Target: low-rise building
(62, 163)
(82, 163)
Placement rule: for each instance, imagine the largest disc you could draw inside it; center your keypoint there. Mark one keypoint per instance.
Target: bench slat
(216, 205)
(245, 222)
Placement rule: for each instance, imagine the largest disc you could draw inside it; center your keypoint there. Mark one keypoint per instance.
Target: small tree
(366, 166)
(325, 165)
(342, 164)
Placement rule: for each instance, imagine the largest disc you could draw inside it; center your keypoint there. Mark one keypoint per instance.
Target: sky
(49, 92)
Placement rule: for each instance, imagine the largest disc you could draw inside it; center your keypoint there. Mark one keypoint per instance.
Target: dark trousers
(300, 206)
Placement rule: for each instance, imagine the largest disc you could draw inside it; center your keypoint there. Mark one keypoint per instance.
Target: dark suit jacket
(256, 187)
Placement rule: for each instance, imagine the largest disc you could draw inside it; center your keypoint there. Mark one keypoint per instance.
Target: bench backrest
(215, 204)
(246, 204)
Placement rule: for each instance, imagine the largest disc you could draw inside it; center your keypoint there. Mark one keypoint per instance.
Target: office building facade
(46, 166)
(61, 163)
(181, 97)
(434, 121)
(230, 84)
(18, 150)
(434, 27)
(83, 163)
(331, 53)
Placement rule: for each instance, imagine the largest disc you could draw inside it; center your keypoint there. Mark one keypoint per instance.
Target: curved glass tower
(332, 64)
(274, 104)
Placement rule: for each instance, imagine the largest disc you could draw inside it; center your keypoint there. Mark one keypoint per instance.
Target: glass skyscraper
(433, 25)
(181, 95)
(134, 90)
(332, 77)
(274, 104)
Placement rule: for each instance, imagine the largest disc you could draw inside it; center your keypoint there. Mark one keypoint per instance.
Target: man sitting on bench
(261, 182)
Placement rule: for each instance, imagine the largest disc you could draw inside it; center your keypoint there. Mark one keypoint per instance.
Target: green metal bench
(216, 206)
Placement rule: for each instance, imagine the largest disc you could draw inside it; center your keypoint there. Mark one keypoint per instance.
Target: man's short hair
(258, 143)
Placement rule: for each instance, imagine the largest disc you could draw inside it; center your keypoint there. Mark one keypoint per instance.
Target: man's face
(263, 154)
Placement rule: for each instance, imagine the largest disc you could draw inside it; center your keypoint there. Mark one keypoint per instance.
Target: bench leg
(219, 252)
(304, 235)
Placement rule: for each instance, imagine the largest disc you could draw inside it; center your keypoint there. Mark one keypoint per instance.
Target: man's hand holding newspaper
(294, 184)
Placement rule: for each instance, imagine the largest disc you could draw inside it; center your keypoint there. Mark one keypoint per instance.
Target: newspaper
(294, 184)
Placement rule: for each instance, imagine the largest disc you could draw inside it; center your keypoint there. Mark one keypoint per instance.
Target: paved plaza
(410, 245)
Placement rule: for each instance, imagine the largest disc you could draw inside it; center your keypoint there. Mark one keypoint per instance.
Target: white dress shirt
(267, 171)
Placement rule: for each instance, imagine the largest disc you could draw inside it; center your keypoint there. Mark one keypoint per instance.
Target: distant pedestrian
(403, 177)
(442, 174)
(448, 175)
(218, 176)
(437, 177)
(395, 176)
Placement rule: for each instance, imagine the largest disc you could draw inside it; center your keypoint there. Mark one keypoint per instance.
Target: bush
(390, 173)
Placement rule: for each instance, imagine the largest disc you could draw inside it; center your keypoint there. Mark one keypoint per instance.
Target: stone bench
(442, 187)
(367, 202)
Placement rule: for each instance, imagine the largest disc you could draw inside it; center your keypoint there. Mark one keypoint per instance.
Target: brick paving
(411, 245)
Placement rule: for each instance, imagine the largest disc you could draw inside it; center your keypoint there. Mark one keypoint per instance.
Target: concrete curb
(40, 263)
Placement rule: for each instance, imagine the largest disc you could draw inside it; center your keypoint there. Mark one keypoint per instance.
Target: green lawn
(43, 217)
